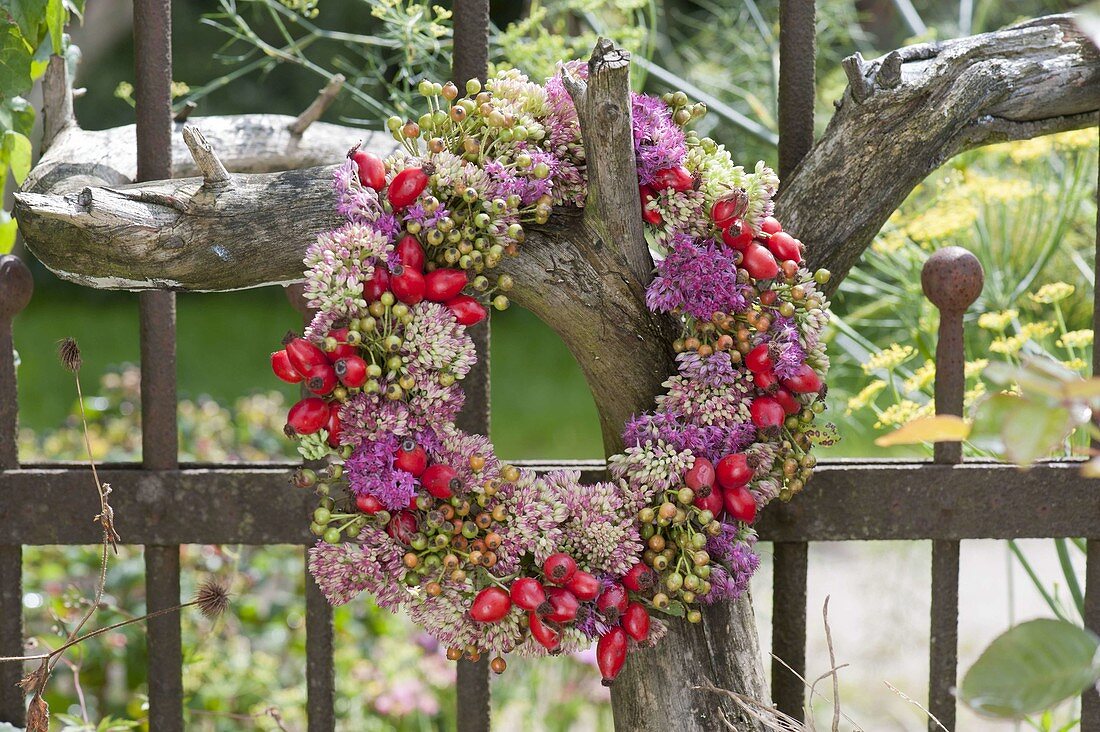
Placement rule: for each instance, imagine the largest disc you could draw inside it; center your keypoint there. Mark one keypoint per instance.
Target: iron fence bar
(159, 440)
(952, 280)
(320, 663)
(470, 60)
(16, 285)
(797, 91)
(1090, 701)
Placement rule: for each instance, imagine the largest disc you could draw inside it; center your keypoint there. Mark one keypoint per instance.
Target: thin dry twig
(917, 704)
(832, 663)
(770, 717)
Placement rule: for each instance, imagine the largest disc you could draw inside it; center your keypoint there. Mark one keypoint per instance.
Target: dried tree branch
(214, 173)
(316, 108)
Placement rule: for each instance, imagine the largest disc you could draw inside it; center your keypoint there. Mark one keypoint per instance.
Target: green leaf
(8, 230)
(27, 16)
(940, 428)
(16, 152)
(15, 63)
(56, 18)
(1019, 430)
(1031, 668)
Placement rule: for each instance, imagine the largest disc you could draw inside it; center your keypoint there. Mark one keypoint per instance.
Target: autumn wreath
(487, 557)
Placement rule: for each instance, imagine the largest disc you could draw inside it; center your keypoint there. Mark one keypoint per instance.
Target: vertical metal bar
(1090, 701)
(16, 286)
(797, 91)
(797, 52)
(159, 441)
(320, 668)
(952, 279)
(471, 61)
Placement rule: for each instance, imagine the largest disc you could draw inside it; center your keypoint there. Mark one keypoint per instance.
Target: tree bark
(583, 274)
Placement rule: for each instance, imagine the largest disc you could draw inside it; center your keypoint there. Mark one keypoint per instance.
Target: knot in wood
(606, 55)
(16, 286)
(952, 279)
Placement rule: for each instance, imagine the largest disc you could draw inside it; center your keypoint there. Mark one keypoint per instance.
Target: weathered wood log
(584, 273)
(904, 115)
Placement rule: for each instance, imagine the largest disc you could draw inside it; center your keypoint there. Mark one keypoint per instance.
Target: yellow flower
(998, 190)
(1075, 364)
(974, 394)
(889, 358)
(975, 368)
(1052, 292)
(1008, 345)
(903, 412)
(921, 378)
(865, 396)
(888, 242)
(997, 321)
(1076, 339)
(951, 215)
(1075, 139)
(1039, 329)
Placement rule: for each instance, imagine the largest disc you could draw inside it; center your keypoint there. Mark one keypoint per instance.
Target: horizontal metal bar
(250, 504)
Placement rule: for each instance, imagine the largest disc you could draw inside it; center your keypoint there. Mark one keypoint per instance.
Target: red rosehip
(558, 568)
(613, 602)
(784, 246)
(411, 458)
(334, 427)
(738, 235)
(649, 215)
(740, 504)
(378, 283)
(321, 379)
(611, 654)
(442, 285)
(490, 605)
(636, 621)
(759, 262)
(759, 359)
(545, 634)
(770, 225)
(343, 348)
(788, 401)
(640, 578)
(583, 585)
(765, 380)
(678, 179)
(467, 311)
(280, 364)
(406, 187)
(303, 355)
(402, 527)
(410, 253)
(727, 210)
(368, 504)
(701, 473)
(804, 381)
(733, 471)
(408, 285)
(372, 171)
(440, 480)
(307, 416)
(351, 371)
(563, 605)
(712, 501)
(766, 412)
(527, 593)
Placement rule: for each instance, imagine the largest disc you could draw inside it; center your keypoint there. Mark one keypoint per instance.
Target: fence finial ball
(16, 286)
(952, 279)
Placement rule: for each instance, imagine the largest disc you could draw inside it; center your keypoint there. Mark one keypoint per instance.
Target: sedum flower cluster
(423, 515)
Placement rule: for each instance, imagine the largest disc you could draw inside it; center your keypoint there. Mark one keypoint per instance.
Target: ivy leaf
(1030, 668)
(16, 153)
(675, 608)
(56, 17)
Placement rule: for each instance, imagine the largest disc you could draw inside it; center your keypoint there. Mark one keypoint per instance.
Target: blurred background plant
(1026, 209)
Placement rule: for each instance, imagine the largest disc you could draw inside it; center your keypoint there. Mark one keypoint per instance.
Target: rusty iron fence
(943, 501)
